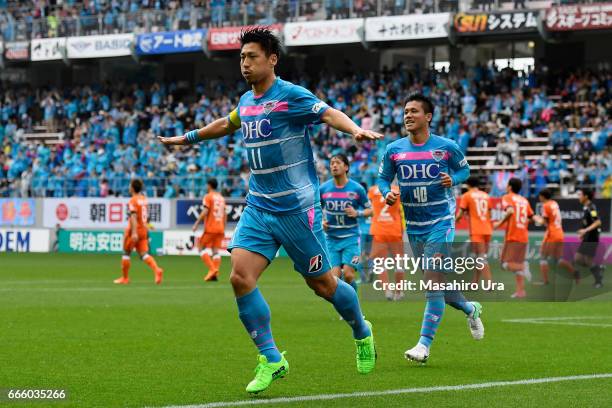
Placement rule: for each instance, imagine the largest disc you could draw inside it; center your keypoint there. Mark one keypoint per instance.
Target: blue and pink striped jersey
(275, 133)
(335, 199)
(427, 205)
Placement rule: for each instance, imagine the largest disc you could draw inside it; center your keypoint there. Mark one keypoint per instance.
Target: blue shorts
(433, 244)
(300, 234)
(344, 251)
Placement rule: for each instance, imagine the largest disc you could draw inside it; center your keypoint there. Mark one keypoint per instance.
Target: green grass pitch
(64, 325)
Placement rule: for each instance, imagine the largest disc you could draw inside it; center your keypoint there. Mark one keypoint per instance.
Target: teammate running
(427, 166)
(344, 201)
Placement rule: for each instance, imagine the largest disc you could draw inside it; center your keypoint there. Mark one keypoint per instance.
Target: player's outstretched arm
(339, 121)
(219, 128)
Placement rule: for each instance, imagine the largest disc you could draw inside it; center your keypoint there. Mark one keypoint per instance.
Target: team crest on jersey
(351, 195)
(437, 154)
(269, 106)
(316, 263)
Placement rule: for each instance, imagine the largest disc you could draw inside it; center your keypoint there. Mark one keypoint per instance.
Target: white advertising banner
(47, 49)
(408, 27)
(183, 242)
(100, 213)
(97, 46)
(324, 32)
(24, 240)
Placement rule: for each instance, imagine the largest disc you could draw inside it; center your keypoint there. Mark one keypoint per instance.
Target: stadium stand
(549, 130)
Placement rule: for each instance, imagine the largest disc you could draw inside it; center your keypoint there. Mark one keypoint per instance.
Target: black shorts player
(589, 235)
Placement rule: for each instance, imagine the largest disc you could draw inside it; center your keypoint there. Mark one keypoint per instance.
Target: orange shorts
(552, 249)
(142, 245)
(386, 245)
(211, 240)
(480, 243)
(514, 252)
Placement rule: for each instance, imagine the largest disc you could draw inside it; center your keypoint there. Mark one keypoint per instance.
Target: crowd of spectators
(20, 20)
(110, 129)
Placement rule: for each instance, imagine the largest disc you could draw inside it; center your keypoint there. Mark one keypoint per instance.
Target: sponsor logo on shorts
(316, 263)
(355, 260)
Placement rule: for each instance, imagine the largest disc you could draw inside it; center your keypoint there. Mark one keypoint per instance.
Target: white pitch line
(366, 394)
(564, 321)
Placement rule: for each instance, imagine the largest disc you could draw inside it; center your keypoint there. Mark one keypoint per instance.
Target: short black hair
(342, 157)
(515, 185)
(473, 181)
(426, 103)
(589, 193)
(546, 193)
(137, 185)
(262, 36)
(212, 182)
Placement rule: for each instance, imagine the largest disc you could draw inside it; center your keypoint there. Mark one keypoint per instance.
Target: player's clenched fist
(391, 198)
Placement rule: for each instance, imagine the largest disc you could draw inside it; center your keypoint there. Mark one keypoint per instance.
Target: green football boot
(266, 372)
(366, 352)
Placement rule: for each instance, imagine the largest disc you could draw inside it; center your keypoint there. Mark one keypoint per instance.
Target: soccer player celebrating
(427, 166)
(517, 214)
(283, 204)
(343, 200)
(214, 229)
(589, 235)
(387, 231)
(477, 204)
(136, 235)
(551, 251)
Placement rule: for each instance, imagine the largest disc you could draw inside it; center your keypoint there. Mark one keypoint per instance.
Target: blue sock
(254, 313)
(434, 310)
(346, 302)
(456, 299)
(354, 285)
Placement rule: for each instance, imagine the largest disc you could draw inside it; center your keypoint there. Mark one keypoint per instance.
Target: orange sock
(217, 262)
(544, 271)
(486, 272)
(125, 266)
(148, 259)
(520, 283)
(205, 256)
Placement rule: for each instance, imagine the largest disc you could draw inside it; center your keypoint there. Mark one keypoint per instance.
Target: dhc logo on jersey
(337, 205)
(410, 171)
(256, 129)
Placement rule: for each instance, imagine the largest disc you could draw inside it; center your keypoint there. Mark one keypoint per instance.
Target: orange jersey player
(477, 204)
(136, 236)
(387, 230)
(517, 214)
(552, 245)
(213, 215)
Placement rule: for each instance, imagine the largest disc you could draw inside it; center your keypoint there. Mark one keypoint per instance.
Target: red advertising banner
(228, 38)
(584, 17)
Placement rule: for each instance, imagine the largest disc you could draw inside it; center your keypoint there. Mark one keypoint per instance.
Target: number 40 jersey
(428, 206)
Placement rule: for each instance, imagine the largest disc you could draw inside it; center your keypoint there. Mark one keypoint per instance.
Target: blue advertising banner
(170, 42)
(187, 211)
(17, 211)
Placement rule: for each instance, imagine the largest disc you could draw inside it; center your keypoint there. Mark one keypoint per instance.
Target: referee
(589, 234)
